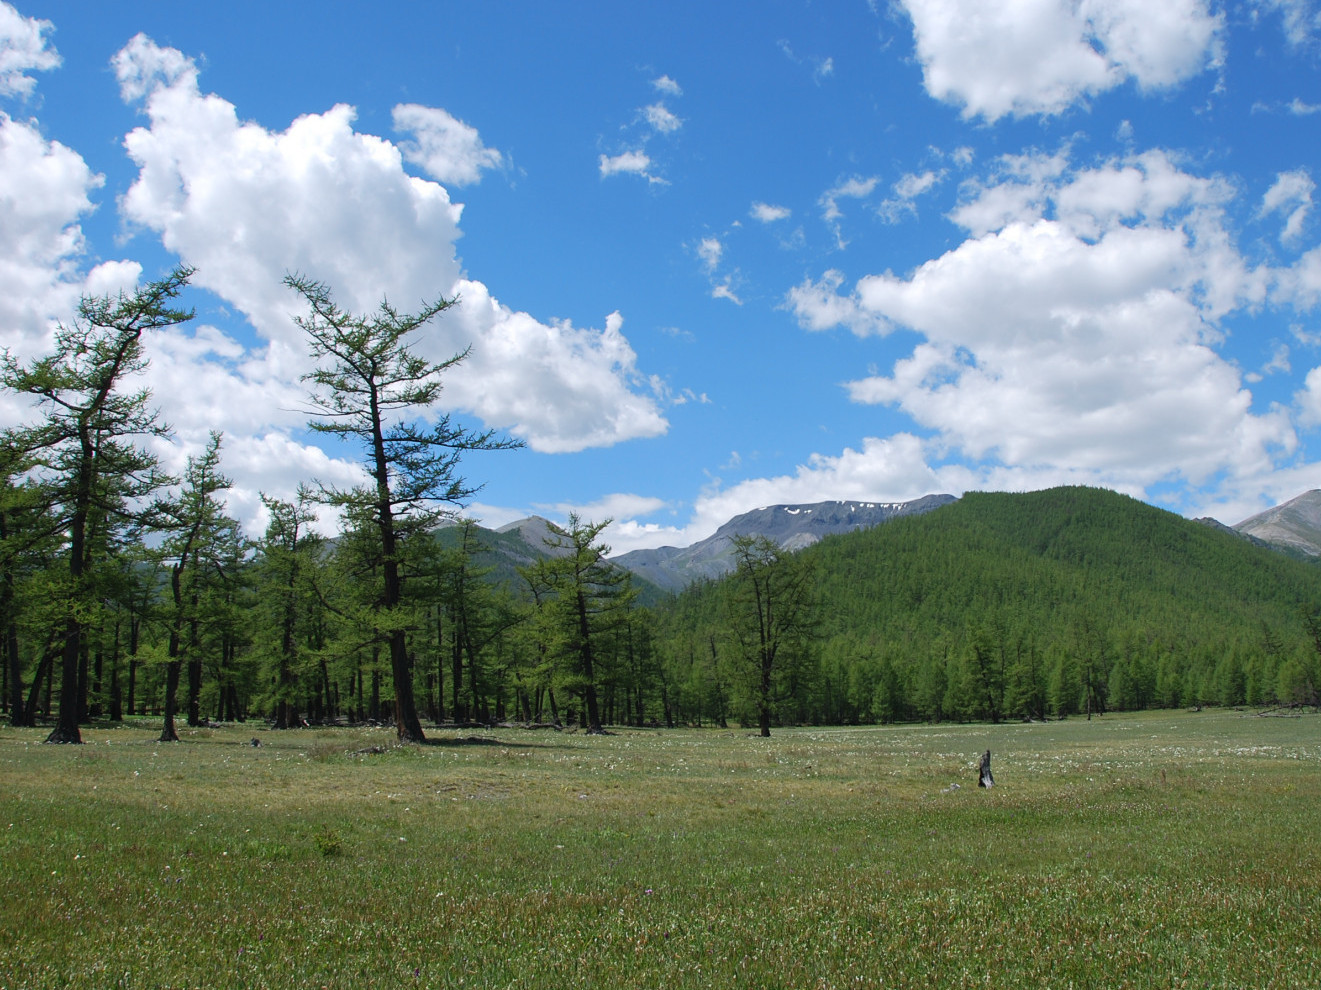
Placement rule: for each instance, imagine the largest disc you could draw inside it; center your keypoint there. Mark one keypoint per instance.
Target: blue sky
(709, 256)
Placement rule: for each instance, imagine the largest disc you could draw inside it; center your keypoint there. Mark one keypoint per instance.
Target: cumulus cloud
(710, 250)
(818, 305)
(767, 213)
(636, 162)
(1041, 57)
(246, 204)
(23, 48)
(661, 119)
(1299, 284)
(1290, 196)
(447, 149)
(1308, 399)
(664, 84)
(1076, 326)
(45, 192)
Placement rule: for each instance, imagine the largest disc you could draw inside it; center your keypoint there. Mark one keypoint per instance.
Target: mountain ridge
(1294, 526)
(792, 526)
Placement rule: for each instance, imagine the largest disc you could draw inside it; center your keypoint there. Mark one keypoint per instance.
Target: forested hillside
(1029, 605)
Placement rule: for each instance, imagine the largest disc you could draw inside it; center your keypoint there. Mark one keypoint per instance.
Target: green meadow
(1170, 849)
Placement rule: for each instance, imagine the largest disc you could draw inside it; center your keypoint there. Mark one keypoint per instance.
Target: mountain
(792, 526)
(1021, 605)
(503, 551)
(1294, 526)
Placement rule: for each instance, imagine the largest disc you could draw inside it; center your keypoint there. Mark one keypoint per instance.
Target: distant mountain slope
(518, 544)
(1295, 525)
(1059, 559)
(1019, 605)
(792, 526)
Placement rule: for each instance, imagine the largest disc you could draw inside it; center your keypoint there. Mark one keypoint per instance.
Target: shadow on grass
(487, 741)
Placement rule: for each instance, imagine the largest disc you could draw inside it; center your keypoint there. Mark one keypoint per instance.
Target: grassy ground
(1161, 850)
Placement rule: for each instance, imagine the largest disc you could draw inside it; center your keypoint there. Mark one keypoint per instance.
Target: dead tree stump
(984, 778)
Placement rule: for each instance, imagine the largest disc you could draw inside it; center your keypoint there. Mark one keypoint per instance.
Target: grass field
(1176, 849)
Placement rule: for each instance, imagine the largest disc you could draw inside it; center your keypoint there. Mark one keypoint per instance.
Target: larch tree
(197, 528)
(88, 446)
(772, 614)
(371, 387)
(583, 597)
(26, 537)
(288, 554)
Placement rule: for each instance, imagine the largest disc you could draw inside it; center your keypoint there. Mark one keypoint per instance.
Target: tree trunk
(172, 671)
(589, 674)
(66, 727)
(18, 715)
(195, 691)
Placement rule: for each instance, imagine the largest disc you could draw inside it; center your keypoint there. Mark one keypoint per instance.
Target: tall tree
(588, 597)
(287, 555)
(87, 442)
(197, 530)
(772, 613)
(368, 387)
(26, 535)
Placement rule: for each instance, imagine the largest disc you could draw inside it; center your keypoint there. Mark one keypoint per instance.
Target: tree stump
(984, 778)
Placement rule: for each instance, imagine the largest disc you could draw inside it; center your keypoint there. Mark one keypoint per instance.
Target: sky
(706, 257)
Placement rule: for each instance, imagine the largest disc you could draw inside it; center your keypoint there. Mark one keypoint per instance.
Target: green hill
(1053, 602)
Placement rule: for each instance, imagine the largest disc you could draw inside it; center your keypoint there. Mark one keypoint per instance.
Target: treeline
(127, 593)
(124, 592)
(1051, 603)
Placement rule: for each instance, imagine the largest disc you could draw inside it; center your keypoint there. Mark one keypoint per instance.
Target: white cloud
(561, 387)
(724, 289)
(45, 191)
(767, 213)
(664, 84)
(1300, 284)
(635, 162)
(447, 149)
(23, 47)
(1059, 335)
(855, 187)
(819, 306)
(1300, 109)
(1291, 196)
(1028, 57)
(710, 250)
(661, 119)
(1300, 19)
(143, 67)
(616, 506)
(906, 190)
(246, 205)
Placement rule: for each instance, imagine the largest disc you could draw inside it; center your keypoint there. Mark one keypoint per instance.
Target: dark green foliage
(87, 450)
(1011, 606)
(583, 603)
